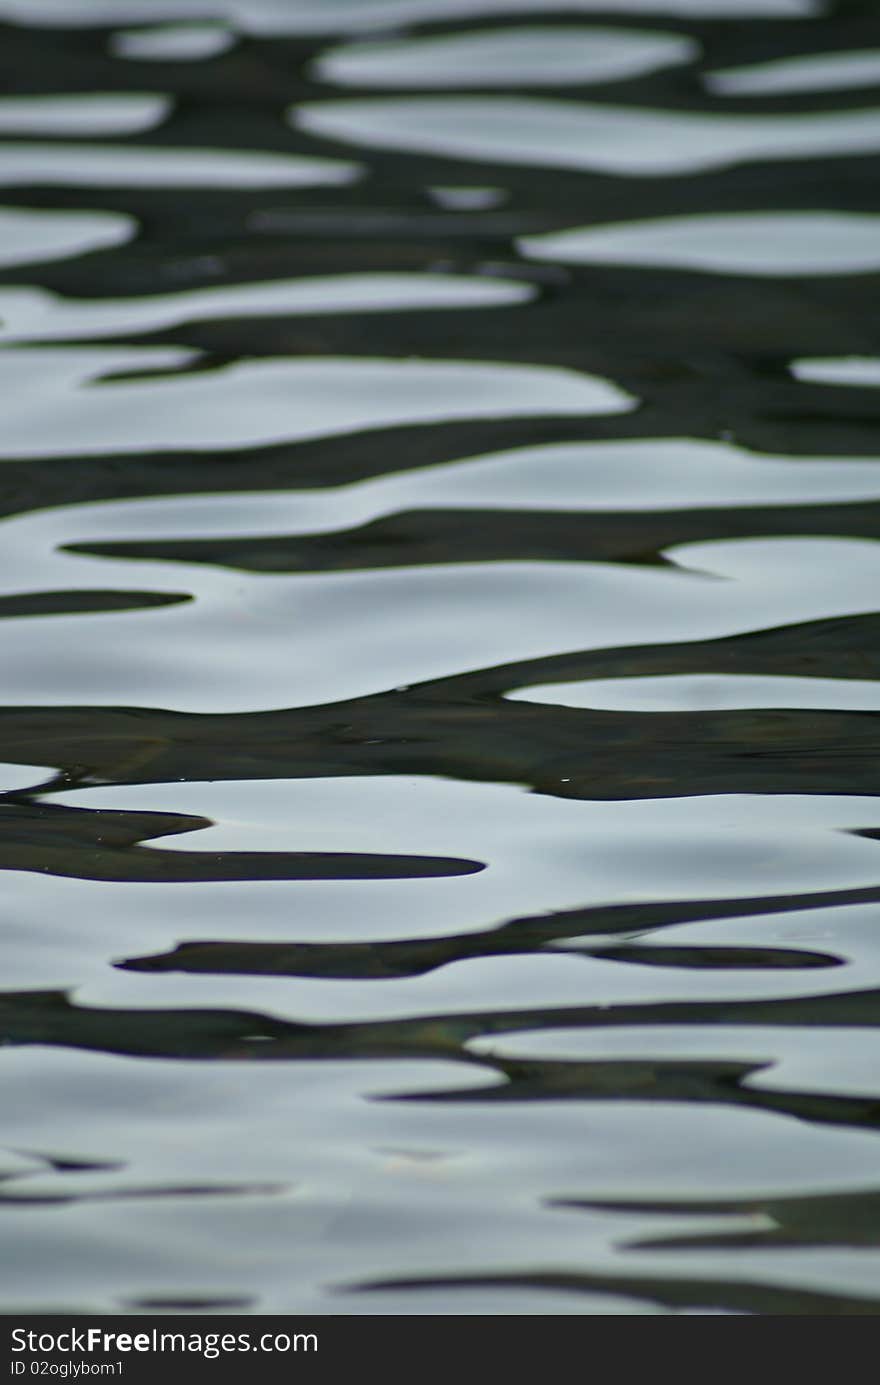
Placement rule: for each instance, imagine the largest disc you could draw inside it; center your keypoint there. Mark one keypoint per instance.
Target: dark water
(439, 729)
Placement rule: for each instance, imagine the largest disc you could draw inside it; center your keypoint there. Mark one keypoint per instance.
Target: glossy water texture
(440, 694)
(779, 245)
(172, 42)
(550, 57)
(815, 72)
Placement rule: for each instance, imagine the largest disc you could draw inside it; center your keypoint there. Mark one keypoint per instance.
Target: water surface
(440, 493)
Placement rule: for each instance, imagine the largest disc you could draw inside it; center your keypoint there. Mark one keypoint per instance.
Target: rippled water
(440, 482)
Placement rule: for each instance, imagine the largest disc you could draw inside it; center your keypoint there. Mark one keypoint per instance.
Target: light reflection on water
(439, 709)
(171, 43)
(123, 113)
(784, 244)
(527, 56)
(276, 17)
(581, 135)
(816, 72)
(30, 315)
(252, 404)
(118, 166)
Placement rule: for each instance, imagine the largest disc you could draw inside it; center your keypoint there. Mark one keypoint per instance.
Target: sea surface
(440, 674)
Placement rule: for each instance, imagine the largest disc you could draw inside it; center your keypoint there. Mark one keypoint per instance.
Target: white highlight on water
(28, 236)
(790, 76)
(172, 43)
(106, 113)
(767, 243)
(556, 133)
(532, 56)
